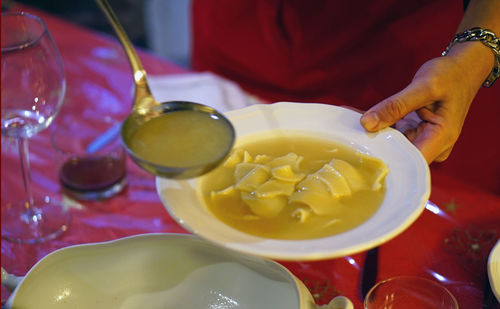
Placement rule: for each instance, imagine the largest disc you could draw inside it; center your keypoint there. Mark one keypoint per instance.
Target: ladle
(145, 108)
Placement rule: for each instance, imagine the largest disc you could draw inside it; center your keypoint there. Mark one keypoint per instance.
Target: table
(449, 242)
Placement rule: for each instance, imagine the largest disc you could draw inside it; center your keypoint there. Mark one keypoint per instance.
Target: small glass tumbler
(90, 158)
(409, 292)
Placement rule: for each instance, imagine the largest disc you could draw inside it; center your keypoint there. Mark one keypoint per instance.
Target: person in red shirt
(362, 54)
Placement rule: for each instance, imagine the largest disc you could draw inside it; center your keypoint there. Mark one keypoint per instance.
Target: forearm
(482, 13)
(476, 58)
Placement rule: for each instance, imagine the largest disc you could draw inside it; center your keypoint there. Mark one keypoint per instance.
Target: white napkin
(205, 88)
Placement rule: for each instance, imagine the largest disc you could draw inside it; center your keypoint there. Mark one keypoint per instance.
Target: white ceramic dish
(494, 270)
(408, 183)
(159, 271)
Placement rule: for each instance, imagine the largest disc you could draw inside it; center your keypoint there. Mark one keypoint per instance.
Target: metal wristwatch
(488, 38)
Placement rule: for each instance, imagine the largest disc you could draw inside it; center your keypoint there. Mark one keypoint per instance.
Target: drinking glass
(90, 157)
(409, 292)
(33, 87)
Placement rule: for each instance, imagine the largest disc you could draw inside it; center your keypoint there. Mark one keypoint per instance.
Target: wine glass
(409, 292)
(33, 87)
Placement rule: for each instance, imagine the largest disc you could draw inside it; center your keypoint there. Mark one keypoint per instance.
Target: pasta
(265, 186)
(260, 186)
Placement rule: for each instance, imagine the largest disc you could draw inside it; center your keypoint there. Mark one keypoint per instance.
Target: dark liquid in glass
(91, 174)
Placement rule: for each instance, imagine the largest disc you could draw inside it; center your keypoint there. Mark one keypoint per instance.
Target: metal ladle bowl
(145, 108)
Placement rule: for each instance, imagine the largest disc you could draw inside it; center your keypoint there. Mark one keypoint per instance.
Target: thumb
(389, 111)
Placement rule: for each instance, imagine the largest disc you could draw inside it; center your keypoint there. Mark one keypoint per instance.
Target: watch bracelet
(489, 39)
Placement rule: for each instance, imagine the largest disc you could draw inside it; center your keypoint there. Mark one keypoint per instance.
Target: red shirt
(336, 52)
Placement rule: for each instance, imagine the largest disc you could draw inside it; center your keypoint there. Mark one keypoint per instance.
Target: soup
(295, 187)
(182, 139)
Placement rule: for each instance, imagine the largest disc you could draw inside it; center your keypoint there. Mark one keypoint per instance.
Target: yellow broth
(354, 210)
(181, 139)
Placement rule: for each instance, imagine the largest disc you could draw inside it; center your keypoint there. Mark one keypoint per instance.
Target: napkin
(205, 88)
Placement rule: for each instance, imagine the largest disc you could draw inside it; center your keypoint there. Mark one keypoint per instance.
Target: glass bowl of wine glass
(33, 88)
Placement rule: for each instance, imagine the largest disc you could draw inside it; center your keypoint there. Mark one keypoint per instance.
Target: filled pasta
(308, 185)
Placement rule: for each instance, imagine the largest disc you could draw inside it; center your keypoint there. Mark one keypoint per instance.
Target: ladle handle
(143, 95)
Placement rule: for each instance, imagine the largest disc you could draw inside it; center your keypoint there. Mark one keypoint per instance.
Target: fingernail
(370, 120)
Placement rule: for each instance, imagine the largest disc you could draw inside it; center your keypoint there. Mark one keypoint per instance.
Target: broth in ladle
(182, 138)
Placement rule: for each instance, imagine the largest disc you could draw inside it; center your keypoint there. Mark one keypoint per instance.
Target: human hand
(439, 95)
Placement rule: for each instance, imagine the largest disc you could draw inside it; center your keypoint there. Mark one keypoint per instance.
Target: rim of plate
(404, 201)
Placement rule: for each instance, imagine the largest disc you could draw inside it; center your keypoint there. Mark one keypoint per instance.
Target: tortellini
(269, 184)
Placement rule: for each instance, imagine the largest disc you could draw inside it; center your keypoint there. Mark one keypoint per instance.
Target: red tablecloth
(449, 244)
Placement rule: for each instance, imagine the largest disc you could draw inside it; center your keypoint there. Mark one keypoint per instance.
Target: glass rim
(409, 278)
(30, 42)
(111, 146)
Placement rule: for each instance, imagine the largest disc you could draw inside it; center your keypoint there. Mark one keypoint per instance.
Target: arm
(442, 90)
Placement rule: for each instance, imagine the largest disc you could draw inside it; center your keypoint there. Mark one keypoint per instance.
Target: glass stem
(22, 144)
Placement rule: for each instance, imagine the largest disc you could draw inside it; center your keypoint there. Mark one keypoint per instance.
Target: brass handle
(143, 97)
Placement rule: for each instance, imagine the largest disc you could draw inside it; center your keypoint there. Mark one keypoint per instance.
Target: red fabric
(350, 52)
(345, 53)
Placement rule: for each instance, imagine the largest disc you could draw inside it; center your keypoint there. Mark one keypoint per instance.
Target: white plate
(408, 184)
(494, 270)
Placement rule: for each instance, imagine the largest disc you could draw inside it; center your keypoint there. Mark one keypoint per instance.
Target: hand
(440, 95)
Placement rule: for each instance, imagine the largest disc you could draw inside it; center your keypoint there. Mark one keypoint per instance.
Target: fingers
(442, 157)
(428, 113)
(428, 138)
(394, 108)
